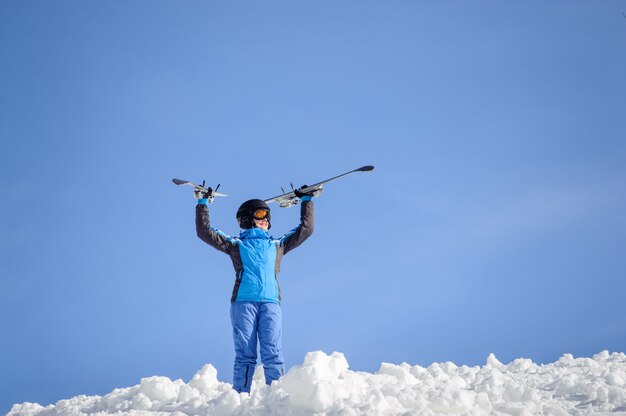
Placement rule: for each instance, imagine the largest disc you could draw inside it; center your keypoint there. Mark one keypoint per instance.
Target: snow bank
(323, 385)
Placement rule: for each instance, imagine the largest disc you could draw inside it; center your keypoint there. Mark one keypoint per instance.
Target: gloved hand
(312, 193)
(201, 193)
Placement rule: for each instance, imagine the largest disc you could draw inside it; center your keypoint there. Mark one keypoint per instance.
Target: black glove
(312, 193)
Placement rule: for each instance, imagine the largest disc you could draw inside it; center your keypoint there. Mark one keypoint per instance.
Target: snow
(324, 385)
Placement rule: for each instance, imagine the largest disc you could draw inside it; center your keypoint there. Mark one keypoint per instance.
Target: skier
(255, 303)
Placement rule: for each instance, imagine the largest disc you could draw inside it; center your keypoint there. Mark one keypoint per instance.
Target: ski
(212, 192)
(288, 199)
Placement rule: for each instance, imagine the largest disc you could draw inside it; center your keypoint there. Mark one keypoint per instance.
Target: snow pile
(323, 385)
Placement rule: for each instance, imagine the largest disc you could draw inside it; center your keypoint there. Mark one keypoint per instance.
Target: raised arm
(211, 236)
(303, 231)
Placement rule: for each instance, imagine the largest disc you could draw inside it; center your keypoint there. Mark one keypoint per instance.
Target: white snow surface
(324, 385)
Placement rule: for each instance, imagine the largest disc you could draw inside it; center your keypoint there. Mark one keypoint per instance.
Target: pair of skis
(210, 192)
(286, 199)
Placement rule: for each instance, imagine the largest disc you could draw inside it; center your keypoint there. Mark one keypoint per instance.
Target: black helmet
(244, 213)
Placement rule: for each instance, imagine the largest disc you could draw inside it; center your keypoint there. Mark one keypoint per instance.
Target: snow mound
(324, 385)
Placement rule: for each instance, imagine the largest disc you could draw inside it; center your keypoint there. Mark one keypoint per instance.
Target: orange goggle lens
(260, 214)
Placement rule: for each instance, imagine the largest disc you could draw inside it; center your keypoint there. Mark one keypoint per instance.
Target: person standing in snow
(255, 303)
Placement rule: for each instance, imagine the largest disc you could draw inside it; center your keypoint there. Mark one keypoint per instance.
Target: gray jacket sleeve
(303, 231)
(211, 236)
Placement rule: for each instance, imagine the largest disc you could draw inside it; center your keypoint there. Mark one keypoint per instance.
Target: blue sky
(495, 220)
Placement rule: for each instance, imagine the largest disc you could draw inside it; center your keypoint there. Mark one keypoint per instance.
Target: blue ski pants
(254, 321)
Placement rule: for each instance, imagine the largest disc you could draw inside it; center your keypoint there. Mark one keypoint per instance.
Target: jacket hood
(254, 233)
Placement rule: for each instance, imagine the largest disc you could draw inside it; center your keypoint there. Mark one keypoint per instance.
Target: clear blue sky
(495, 220)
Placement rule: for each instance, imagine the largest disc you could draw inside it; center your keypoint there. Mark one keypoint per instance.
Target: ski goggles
(260, 214)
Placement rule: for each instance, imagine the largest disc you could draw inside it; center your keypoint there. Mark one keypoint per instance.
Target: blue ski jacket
(255, 254)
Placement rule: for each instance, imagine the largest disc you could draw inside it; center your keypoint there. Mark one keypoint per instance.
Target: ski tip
(178, 181)
(367, 168)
